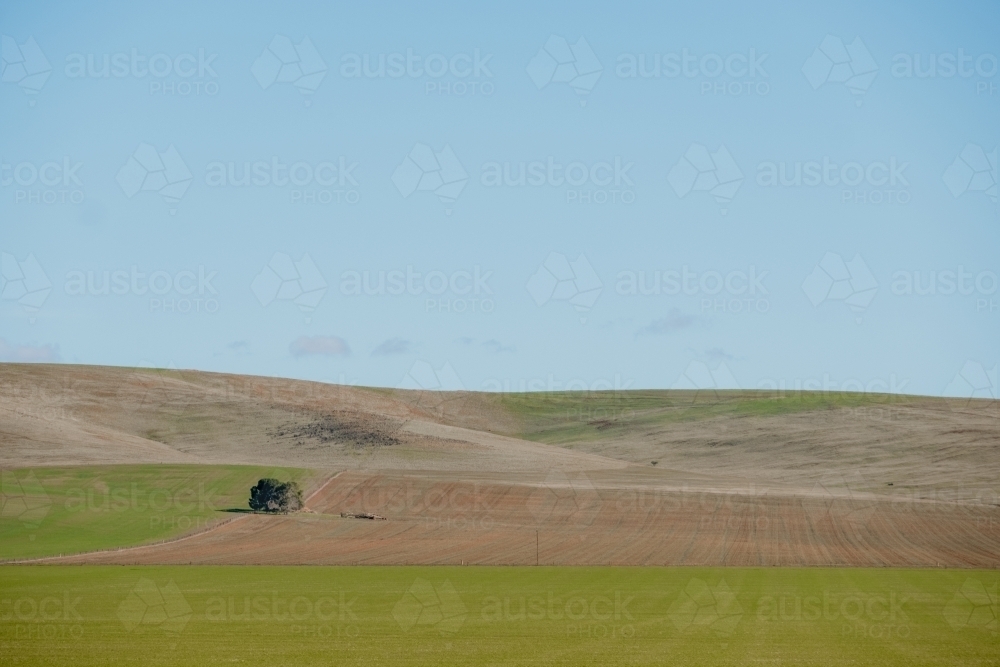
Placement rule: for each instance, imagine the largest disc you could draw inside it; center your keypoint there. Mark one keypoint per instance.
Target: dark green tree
(270, 495)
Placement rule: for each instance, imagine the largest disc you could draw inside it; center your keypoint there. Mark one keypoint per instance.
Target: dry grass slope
(740, 478)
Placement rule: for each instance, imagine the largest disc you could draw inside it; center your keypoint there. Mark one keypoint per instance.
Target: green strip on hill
(566, 417)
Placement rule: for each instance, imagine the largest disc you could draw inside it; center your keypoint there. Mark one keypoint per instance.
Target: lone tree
(270, 495)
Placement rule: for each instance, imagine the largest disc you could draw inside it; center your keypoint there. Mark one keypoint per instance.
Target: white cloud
(497, 347)
(328, 346)
(28, 353)
(674, 321)
(392, 346)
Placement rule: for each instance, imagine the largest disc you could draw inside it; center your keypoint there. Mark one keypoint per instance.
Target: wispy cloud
(392, 346)
(238, 344)
(496, 346)
(718, 354)
(329, 346)
(28, 353)
(674, 321)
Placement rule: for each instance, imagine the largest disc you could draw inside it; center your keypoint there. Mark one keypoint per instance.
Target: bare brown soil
(584, 521)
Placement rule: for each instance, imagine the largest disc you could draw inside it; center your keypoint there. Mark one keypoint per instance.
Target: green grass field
(62, 615)
(51, 511)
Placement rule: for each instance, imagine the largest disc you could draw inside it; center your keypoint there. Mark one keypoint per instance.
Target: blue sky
(629, 180)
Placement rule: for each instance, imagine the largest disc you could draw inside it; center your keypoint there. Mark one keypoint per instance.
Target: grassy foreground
(63, 615)
(51, 511)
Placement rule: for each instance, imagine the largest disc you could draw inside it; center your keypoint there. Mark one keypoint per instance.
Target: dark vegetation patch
(341, 428)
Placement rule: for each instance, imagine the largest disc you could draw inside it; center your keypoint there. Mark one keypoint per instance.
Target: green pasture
(205, 615)
(51, 511)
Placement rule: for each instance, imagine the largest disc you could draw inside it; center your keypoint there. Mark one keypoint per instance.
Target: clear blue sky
(658, 142)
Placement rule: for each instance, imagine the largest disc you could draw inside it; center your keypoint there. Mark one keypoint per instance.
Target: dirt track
(469, 477)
